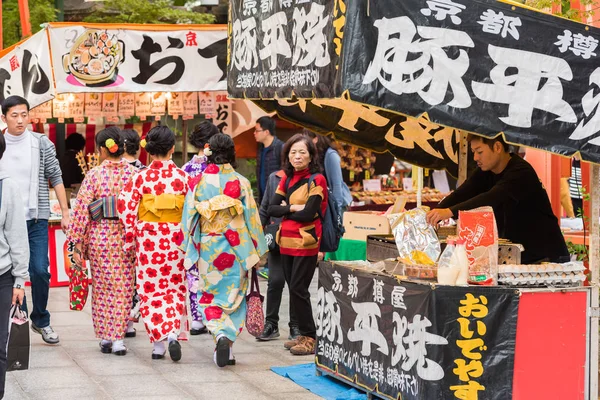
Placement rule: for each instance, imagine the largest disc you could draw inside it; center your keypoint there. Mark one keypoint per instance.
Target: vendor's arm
(472, 187)
(515, 184)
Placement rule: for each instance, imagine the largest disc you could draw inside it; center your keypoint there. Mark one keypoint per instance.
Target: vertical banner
(175, 104)
(416, 341)
(126, 105)
(190, 104)
(26, 71)
(143, 105)
(110, 104)
(93, 105)
(277, 47)
(222, 116)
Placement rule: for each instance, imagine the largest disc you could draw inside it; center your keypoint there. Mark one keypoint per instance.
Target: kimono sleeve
(191, 230)
(252, 220)
(128, 205)
(80, 216)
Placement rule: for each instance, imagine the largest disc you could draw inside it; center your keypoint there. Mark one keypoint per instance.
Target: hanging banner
(415, 341)
(280, 47)
(159, 104)
(60, 107)
(110, 104)
(26, 71)
(77, 106)
(416, 141)
(222, 116)
(41, 113)
(206, 101)
(143, 104)
(175, 104)
(190, 103)
(125, 60)
(482, 66)
(93, 105)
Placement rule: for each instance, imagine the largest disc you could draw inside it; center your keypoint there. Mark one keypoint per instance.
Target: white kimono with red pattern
(160, 272)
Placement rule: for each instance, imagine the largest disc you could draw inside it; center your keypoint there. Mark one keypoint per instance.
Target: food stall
(80, 78)
(403, 77)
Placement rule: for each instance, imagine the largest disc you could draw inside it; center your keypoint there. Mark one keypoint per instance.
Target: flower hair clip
(143, 143)
(111, 145)
(207, 150)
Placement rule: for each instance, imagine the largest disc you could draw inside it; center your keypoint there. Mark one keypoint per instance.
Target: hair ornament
(207, 150)
(143, 143)
(111, 145)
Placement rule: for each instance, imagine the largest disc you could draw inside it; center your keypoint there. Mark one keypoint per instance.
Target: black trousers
(6, 293)
(299, 272)
(275, 287)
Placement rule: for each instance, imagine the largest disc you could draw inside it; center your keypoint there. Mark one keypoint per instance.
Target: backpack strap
(310, 181)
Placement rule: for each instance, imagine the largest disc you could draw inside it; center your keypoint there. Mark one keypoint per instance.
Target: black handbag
(271, 236)
(19, 344)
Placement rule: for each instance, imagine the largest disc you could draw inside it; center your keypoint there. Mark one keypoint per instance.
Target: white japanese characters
(366, 328)
(378, 291)
(590, 103)
(499, 24)
(579, 44)
(310, 43)
(405, 64)
(328, 321)
(274, 42)
(536, 84)
(442, 9)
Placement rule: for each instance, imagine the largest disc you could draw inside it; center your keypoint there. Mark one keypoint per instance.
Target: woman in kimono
(150, 207)
(133, 147)
(194, 168)
(99, 237)
(223, 236)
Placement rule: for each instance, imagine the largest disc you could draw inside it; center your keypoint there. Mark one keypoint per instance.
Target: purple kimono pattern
(194, 168)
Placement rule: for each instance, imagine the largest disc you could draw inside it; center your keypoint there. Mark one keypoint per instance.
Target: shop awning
(104, 58)
(392, 75)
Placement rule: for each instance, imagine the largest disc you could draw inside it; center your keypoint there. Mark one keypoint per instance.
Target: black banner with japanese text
(280, 47)
(416, 141)
(415, 341)
(482, 66)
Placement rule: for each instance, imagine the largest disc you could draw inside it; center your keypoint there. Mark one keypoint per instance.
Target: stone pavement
(75, 369)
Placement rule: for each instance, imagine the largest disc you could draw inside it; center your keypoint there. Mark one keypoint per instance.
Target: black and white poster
(415, 341)
(480, 65)
(280, 47)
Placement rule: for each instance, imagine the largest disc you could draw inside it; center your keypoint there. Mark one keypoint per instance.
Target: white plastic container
(461, 261)
(447, 273)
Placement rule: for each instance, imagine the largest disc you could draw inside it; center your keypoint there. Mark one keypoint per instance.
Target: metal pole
(594, 260)
(463, 154)
(419, 186)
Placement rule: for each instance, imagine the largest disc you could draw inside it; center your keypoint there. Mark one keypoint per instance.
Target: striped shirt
(575, 180)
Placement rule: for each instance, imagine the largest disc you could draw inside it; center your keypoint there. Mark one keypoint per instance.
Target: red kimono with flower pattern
(147, 207)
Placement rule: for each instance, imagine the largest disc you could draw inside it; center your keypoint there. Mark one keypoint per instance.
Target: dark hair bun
(132, 141)
(223, 150)
(202, 134)
(114, 133)
(159, 141)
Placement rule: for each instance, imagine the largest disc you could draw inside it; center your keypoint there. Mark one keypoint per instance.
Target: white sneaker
(48, 334)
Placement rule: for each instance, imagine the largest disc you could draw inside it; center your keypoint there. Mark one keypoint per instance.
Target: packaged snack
(478, 228)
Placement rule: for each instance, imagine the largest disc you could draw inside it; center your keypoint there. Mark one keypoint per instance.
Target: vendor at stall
(510, 185)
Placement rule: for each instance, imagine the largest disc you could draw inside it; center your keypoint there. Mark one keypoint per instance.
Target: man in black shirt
(510, 185)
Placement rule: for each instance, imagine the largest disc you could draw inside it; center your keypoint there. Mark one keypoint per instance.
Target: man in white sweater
(30, 160)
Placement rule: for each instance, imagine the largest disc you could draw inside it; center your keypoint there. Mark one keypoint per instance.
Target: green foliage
(580, 250)
(565, 8)
(146, 12)
(40, 11)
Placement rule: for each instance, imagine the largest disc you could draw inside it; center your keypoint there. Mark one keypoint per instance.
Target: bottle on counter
(462, 261)
(447, 272)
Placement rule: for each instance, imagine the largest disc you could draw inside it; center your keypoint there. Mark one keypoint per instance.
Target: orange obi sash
(165, 207)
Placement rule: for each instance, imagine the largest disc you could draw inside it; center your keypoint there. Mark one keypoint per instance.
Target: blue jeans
(39, 274)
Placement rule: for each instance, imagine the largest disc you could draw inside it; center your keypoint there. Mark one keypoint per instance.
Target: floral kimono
(194, 169)
(224, 238)
(112, 266)
(150, 207)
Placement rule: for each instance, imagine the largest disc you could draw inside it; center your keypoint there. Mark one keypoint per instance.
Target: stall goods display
(356, 160)
(569, 274)
(389, 197)
(478, 228)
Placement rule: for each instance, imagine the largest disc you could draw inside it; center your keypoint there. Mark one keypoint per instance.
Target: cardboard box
(360, 224)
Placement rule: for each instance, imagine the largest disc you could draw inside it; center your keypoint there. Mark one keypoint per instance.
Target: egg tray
(557, 275)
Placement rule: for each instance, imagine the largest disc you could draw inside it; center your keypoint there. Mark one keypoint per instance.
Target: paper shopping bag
(19, 345)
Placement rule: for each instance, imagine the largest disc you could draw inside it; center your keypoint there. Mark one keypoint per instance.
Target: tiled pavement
(75, 369)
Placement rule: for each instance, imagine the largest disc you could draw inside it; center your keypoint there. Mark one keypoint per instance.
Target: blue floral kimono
(224, 238)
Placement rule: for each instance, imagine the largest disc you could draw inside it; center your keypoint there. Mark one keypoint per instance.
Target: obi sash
(210, 208)
(165, 207)
(104, 208)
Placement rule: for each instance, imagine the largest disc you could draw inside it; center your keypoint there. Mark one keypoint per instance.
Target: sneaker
(305, 346)
(270, 332)
(264, 273)
(48, 334)
(291, 343)
(294, 332)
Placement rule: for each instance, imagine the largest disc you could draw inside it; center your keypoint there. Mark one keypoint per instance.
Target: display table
(418, 340)
(349, 250)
